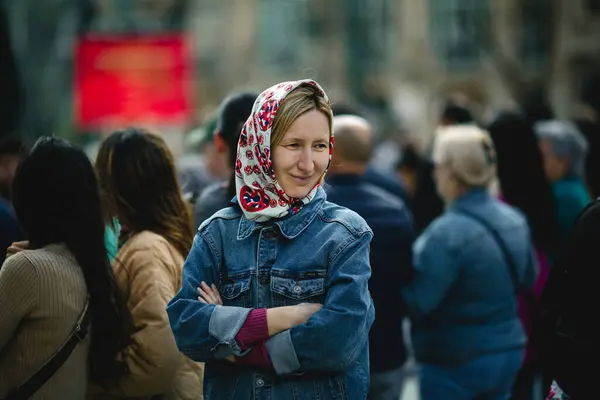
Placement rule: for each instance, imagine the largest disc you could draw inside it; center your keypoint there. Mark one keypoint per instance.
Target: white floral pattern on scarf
(258, 193)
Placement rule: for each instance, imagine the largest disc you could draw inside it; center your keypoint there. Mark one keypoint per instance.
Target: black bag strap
(512, 266)
(46, 371)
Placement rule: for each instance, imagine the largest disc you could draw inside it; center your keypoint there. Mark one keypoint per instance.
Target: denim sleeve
(334, 336)
(203, 332)
(436, 267)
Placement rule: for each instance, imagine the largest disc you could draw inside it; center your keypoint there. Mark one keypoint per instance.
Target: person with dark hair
(407, 169)
(455, 114)
(423, 199)
(570, 302)
(340, 109)
(536, 107)
(234, 112)
(11, 93)
(11, 152)
(45, 288)
(591, 130)
(138, 178)
(523, 184)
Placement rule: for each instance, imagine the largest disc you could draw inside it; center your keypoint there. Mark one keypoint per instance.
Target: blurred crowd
(467, 235)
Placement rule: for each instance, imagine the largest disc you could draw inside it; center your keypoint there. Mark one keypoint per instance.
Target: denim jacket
(320, 254)
(462, 299)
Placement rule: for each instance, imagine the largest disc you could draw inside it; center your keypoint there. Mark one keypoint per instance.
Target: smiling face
(302, 156)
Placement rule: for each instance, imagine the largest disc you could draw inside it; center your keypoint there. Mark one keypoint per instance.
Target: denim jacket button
(260, 382)
(297, 289)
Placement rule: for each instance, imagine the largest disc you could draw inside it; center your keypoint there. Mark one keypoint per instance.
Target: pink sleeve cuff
(254, 330)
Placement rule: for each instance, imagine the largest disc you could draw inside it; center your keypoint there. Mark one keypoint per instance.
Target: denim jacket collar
(473, 196)
(291, 226)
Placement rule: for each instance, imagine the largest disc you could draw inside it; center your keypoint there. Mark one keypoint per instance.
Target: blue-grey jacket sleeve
(436, 267)
(334, 336)
(203, 332)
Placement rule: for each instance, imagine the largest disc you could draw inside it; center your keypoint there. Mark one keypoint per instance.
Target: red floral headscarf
(259, 195)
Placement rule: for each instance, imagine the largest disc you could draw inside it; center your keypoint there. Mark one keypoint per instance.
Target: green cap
(203, 135)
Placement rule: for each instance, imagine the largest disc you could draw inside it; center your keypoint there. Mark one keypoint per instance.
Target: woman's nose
(306, 163)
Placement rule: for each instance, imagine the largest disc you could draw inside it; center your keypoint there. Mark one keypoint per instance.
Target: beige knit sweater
(42, 295)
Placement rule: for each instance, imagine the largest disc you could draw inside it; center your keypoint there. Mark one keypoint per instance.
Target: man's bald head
(353, 139)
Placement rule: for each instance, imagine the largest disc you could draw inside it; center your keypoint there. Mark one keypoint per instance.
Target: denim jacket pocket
(236, 292)
(289, 290)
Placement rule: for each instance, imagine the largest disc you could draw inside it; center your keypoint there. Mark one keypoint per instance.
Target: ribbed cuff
(254, 330)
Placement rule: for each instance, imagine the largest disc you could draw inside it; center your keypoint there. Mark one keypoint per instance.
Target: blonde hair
(468, 151)
(299, 101)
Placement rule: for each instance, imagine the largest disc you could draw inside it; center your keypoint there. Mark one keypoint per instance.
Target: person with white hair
(468, 266)
(564, 149)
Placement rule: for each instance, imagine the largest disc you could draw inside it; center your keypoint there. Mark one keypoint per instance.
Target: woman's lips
(301, 179)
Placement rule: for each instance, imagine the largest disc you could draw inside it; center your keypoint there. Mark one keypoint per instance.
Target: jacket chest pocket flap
(289, 291)
(236, 292)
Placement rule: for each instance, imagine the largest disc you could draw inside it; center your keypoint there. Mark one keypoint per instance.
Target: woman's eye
(292, 145)
(322, 146)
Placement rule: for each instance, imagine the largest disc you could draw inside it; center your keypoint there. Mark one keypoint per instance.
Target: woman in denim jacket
(284, 310)
(462, 298)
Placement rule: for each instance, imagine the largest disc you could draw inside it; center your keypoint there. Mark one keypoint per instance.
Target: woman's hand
(17, 247)
(209, 294)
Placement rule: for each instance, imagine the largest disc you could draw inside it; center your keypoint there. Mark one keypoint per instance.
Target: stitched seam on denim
(356, 232)
(352, 354)
(342, 222)
(345, 244)
(213, 248)
(204, 225)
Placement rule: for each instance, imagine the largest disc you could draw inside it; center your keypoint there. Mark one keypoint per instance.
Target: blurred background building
(397, 59)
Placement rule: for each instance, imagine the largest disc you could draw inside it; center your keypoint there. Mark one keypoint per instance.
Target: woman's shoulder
(344, 218)
(145, 240)
(147, 248)
(224, 218)
(19, 265)
(49, 264)
(451, 227)
(150, 243)
(40, 258)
